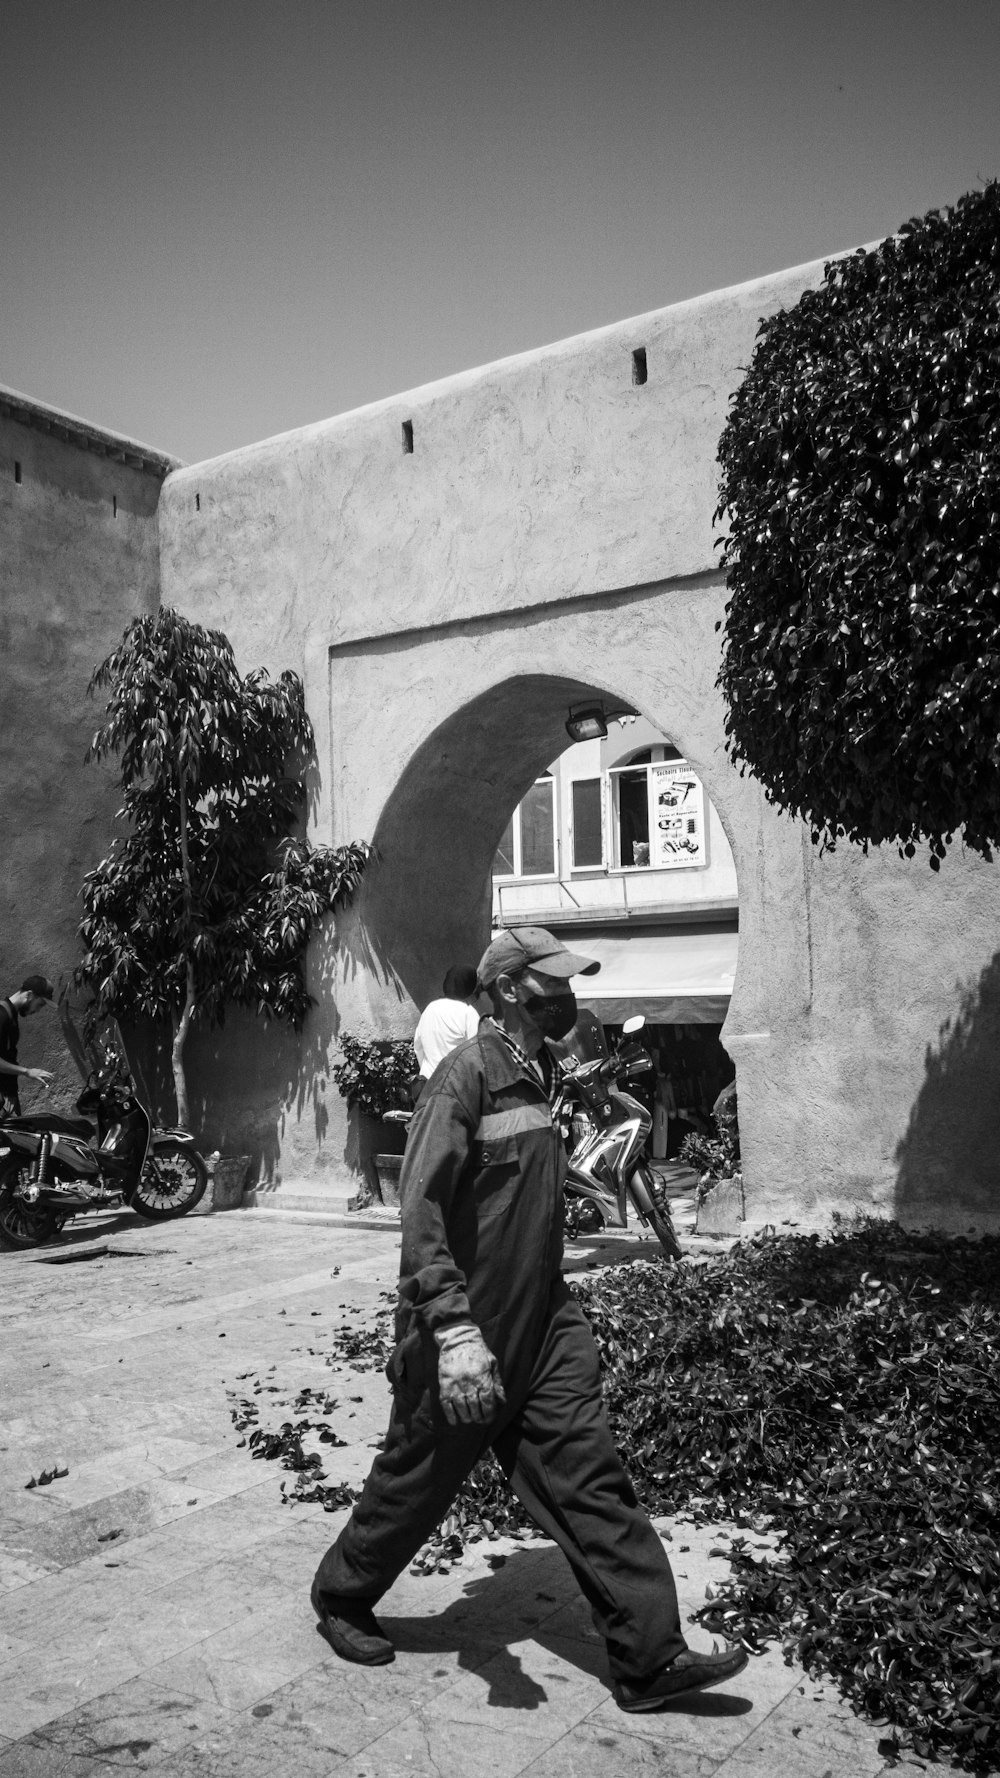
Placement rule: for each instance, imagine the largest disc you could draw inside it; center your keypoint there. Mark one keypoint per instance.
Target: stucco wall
(73, 572)
(551, 536)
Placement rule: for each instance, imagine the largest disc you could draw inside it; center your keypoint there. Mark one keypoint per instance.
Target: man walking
(34, 993)
(493, 1350)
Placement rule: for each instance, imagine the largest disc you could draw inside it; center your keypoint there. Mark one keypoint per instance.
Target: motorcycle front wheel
(660, 1220)
(171, 1183)
(22, 1224)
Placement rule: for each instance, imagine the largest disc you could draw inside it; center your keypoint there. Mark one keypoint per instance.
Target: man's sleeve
(437, 1151)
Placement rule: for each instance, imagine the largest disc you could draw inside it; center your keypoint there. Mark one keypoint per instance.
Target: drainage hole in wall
(408, 437)
(639, 365)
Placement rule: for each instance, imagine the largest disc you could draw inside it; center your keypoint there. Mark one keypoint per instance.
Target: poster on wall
(678, 831)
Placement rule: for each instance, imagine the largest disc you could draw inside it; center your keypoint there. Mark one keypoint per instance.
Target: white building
(619, 842)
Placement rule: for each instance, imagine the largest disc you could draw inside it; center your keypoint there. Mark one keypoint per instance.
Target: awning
(673, 978)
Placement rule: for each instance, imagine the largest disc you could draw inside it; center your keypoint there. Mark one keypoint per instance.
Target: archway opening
(612, 843)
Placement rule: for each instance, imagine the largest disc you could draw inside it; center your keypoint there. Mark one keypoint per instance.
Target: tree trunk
(183, 1024)
(181, 1029)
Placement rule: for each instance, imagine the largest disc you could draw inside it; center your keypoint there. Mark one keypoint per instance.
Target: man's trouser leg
(560, 1458)
(562, 1463)
(413, 1482)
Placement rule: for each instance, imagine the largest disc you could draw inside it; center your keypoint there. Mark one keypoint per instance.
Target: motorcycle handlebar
(614, 1067)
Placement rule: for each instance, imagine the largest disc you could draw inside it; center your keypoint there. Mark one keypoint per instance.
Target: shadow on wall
(250, 1077)
(949, 1159)
(426, 903)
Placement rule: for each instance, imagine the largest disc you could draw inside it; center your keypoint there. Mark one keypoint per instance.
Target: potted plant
(374, 1077)
(716, 1159)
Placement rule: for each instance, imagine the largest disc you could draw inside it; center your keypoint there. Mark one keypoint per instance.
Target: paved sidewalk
(154, 1609)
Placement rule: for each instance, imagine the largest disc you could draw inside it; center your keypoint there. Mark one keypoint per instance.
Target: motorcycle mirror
(635, 1023)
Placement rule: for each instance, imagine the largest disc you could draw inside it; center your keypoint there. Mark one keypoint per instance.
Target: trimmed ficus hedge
(860, 489)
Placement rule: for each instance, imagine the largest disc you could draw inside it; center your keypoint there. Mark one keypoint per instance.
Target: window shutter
(588, 843)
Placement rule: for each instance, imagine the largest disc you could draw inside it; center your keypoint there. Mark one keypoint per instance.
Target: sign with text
(678, 817)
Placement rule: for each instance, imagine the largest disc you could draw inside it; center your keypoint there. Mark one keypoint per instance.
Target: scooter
(52, 1168)
(605, 1131)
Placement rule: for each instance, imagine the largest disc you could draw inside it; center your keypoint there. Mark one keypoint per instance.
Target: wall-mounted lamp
(589, 722)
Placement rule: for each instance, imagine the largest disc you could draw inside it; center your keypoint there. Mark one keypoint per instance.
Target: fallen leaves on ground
(848, 1390)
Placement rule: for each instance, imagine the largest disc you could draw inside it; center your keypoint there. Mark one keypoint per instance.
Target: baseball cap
(38, 985)
(519, 947)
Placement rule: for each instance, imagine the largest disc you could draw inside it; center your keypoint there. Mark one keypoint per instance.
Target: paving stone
(36, 1692)
(339, 1709)
(716, 1723)
(28, 1506)
(133, 1727)
(499, 1719)
(250, 1747)
(17, 1570)
(38, 1759)
(806, 1738)
(235, 1672)
(595, 1750)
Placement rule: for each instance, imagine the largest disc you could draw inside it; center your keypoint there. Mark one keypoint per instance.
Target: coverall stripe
(495, 1124)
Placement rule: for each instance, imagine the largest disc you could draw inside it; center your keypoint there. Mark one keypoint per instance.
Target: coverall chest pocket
(498, 1176)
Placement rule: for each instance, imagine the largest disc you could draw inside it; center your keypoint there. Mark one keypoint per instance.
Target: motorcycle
(52, 1168)
(605, 1131)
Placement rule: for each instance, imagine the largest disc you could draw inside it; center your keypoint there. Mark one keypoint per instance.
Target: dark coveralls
(481, 1193)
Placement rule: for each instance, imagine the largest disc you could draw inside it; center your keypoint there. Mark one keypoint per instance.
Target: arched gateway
(544, 539)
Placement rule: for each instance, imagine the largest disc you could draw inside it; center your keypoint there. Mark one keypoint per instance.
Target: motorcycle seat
(51, 1124)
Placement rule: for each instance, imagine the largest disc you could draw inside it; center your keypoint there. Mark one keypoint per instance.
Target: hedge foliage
(861, 487)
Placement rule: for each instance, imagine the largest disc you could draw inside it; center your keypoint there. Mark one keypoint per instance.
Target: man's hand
(42, 1075)
(468, 1377)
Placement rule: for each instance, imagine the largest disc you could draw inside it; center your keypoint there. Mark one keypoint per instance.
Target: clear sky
(220, 219)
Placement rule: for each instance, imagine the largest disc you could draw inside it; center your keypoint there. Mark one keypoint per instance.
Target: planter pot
(388, 1168)
(721, 1212)
(229, 1181)
(374, 1138)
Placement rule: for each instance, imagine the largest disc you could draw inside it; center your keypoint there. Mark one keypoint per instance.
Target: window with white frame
(528, 846)
(657, 816)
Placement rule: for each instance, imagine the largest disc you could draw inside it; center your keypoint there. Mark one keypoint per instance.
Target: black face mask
(555, 1015)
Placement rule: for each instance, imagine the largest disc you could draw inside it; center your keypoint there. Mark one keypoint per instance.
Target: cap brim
(564, 964)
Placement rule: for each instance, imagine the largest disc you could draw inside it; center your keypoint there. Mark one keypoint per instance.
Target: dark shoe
(351, 1630)
(690, 1672)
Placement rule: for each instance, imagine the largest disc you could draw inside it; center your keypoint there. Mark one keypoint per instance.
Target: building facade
(79, 557)
(454, 573)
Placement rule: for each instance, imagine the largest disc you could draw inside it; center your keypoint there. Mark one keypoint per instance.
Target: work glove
(469, 1383)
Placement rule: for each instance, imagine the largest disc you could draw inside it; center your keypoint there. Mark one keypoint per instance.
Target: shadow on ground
(528, 1597)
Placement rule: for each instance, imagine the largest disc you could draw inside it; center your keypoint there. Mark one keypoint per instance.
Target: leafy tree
(861, 481)
(209, 899)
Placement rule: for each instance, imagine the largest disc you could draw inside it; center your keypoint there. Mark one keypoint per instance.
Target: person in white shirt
(447, 1022)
